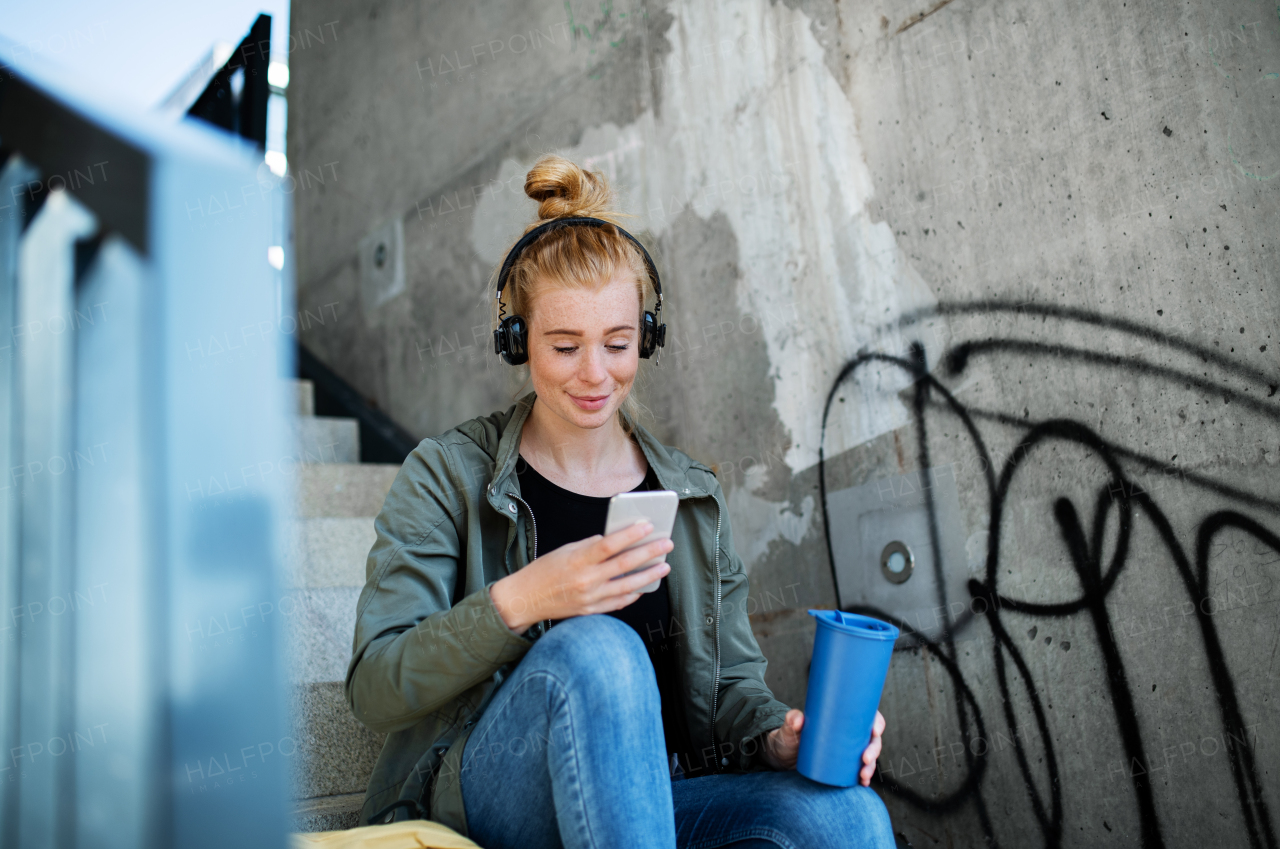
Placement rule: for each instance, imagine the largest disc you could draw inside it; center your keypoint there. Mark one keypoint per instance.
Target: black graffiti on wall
(1083, 540)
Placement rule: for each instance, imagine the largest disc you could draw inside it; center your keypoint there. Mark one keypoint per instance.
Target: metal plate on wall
(381, 266)
(867, 520)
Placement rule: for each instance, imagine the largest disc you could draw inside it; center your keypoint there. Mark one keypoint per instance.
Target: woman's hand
(574, 580)
(782, 745)
(872, 753)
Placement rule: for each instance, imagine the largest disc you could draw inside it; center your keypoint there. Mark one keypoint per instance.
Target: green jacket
(430, 648)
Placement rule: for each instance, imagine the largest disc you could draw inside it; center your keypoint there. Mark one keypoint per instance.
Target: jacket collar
(671, 468)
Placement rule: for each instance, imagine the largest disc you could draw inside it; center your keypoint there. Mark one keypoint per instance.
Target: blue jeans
(570, 752)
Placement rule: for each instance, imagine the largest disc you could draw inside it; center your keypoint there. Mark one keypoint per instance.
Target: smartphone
(657, 506)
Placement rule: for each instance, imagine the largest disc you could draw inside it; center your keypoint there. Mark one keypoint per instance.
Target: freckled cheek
(551, 369)
(624, 375)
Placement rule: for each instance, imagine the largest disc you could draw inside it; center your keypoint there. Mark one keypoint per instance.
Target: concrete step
(343, 489)
(328, 813)
(320, 627)
(330, 541)
(321, 439)
(335, 754)
(329, 552)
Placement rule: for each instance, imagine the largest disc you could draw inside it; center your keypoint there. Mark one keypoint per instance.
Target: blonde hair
(572, 257)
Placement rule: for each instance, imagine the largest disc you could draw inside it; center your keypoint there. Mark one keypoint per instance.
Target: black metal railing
(381, 439)
(236, 97)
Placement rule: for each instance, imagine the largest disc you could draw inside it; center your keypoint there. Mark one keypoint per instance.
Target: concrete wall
(1020, 257)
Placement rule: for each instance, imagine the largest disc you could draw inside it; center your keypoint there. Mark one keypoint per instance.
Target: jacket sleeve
(414, 651)
(747, 708)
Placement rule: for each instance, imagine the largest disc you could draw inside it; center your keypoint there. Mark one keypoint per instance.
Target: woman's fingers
(632, 583)
(584, 571)
(872, 753)
(787, 741)
(631, 559)
(869, 761)
(612, 603)
(604, 547)
(611, 583)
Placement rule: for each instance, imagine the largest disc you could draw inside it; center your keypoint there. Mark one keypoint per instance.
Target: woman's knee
(837, 816)
(597, 649)
(870, 811)
(863, 815)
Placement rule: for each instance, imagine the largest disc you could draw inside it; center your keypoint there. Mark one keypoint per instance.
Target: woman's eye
(614, 348)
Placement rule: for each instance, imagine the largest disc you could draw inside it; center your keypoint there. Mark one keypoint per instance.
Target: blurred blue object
(142, 509)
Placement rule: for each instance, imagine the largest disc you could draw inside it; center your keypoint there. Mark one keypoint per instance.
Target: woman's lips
(590, 402)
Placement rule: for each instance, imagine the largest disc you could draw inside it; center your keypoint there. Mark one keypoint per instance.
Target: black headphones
(511, 339)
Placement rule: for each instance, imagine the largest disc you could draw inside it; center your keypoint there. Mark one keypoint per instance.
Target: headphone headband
(557, 223)
(511, 339)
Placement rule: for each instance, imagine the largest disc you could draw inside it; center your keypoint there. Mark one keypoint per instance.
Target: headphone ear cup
(652, 335)
(513, 340)
(647, 323)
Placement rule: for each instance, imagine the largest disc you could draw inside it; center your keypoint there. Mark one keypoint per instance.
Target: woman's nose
(592, 368)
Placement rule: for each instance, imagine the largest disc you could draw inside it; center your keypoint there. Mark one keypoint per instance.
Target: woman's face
(584, 349)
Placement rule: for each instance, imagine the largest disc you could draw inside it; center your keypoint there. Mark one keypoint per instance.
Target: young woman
(532, 696)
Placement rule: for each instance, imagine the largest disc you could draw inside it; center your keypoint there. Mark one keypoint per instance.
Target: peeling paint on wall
(767, 520)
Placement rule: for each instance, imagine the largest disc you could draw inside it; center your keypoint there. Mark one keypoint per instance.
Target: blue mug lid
(855, 624)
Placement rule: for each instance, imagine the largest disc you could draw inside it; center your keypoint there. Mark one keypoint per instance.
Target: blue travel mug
(851, 656)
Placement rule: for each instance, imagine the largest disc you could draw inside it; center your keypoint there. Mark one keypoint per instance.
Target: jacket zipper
(546, 623)
(715, 684)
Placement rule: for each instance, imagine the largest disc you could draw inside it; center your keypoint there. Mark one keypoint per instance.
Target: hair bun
(564, 190)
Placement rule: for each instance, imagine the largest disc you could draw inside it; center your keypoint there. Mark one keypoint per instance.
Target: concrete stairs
(332, 532)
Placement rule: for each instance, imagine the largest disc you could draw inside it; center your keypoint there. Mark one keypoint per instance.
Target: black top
(563, 517)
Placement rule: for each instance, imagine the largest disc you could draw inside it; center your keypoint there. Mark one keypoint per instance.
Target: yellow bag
(412, 834)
